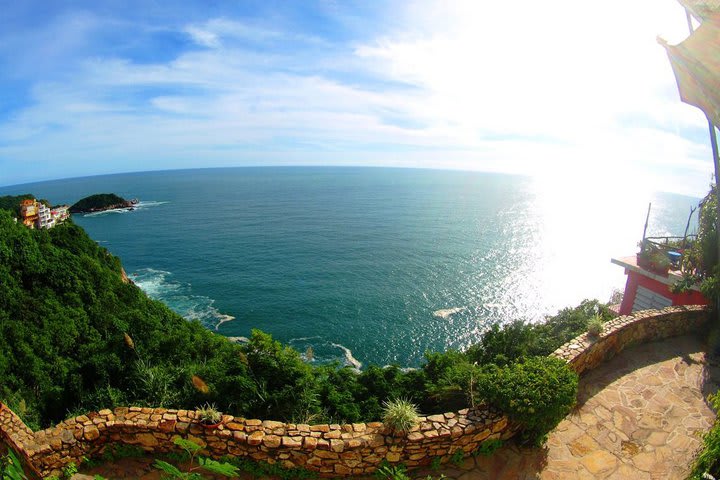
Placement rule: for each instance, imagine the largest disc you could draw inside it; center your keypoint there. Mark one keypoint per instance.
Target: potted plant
(209, 416)
(654, 260)
(659, 262)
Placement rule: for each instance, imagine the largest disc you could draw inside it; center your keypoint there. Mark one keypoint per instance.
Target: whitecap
(447, 312)
(138, 206)
(223, 318)
(107, 212)
(303, 339)
(349, 359)
(159, 285)
(149, 204)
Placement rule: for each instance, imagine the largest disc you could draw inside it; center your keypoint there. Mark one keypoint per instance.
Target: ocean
(367, 265)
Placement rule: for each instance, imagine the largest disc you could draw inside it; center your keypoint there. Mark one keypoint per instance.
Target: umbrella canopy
(701, 9)
(696, 64)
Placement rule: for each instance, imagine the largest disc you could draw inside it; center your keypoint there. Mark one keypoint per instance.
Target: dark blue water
(365, 265)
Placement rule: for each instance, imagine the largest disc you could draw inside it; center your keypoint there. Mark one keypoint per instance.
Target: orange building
(29, 212)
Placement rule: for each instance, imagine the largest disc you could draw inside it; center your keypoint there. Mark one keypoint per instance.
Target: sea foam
(447, 312)
(136, 207)
(325, 351)
(159, 285)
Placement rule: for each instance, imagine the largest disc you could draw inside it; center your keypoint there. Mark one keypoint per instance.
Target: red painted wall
(635, 279)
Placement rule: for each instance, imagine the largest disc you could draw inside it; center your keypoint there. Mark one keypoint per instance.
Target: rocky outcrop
(101, 202)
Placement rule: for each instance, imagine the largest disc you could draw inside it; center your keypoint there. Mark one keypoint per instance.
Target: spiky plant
(400, 414)
(208, 414)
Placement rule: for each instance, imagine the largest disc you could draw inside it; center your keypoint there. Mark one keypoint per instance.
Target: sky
(555, 89)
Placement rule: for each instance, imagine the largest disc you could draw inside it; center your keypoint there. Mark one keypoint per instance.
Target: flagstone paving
(639, 416)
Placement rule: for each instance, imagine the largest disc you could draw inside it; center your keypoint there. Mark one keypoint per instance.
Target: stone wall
(586, 352)
(332, 450)
(15, 434)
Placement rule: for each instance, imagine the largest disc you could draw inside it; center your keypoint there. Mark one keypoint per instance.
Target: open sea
(367, 265)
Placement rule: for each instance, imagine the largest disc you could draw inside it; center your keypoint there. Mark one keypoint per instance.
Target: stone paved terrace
(639, 416)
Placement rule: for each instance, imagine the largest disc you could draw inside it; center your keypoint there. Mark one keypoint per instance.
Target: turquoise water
(366, 265)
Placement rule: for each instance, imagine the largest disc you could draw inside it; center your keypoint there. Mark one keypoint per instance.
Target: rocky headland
(101, 202)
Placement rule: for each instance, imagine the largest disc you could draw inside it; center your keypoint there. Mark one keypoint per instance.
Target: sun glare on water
(582, 222)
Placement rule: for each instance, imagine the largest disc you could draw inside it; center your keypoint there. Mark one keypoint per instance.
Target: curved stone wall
(586, 352)
(332, 450)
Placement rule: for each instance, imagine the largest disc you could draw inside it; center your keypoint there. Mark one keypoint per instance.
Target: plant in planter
(209, 416)
(653, 259)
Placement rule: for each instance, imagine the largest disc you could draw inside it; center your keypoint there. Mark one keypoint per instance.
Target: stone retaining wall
(586, 352)
(332, 450)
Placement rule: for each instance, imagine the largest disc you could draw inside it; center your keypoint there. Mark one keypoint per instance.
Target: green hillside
(64, 316)
(12, 202)
(75, 337)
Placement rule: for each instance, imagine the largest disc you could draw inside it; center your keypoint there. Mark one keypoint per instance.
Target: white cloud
(203, 37)
(525, 87)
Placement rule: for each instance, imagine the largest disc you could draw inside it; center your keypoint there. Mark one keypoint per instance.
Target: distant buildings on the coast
(35, 214)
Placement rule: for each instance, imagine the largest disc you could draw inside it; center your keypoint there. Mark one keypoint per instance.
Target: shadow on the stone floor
(637, 357)
(511, 461)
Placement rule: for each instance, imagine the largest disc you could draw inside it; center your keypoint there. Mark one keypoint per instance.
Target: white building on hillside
(45, 218)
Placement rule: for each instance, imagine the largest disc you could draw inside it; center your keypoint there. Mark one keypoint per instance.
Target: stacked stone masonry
(586, 352)
(331, 450)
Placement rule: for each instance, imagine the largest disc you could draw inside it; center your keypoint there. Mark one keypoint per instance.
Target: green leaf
(188, 445)
(221, 468)
(169, 469)
(14, 469)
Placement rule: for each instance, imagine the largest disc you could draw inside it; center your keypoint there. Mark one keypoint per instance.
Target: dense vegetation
(700, 265)
(12, 203)
(97, 202)
(708, 459)
(75, 337)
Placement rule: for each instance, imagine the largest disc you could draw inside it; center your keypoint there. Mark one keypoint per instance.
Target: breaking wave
(159, 285)
(447, 312)
(324, 351)
(138, 206)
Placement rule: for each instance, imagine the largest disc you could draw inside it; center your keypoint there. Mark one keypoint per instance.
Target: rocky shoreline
(102, 203)
(130, 204)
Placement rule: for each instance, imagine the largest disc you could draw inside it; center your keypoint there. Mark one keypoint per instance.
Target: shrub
(400, 415)
(488, 447)
(69, 470)
(708, 460)
(595, 326)
(118, 451)
(511, 342)
(192, 449)
(391, 472)
(537, 393)
(457, 457)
